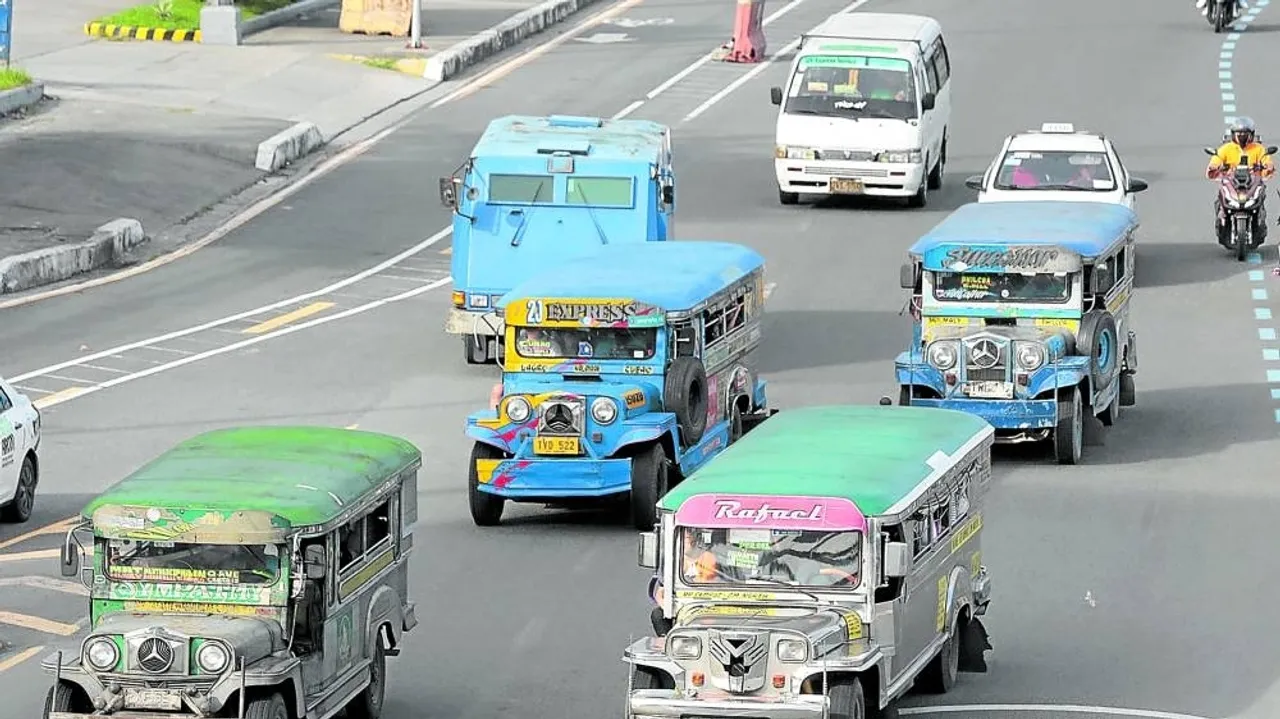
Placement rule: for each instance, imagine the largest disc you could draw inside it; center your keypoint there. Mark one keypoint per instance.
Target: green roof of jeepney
(872, 455)
(303, 475)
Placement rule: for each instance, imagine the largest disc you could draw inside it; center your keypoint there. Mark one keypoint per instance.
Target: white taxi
(19, 464)
(1057, 162)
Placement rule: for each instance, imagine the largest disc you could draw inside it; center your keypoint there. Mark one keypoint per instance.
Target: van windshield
(790, 556)
(588, 343)
(990, 287)
(853, 86)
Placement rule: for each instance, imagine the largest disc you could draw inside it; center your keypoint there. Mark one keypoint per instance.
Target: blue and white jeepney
(1022, 318)
(537, 191)
(624, 371)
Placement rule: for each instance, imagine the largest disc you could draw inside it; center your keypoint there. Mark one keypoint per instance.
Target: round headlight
(604, 410)
(792, 650)
(519, 409)
(686, 647)
(102, 654)
(213, 657)
(1030, 356)
(942, 355)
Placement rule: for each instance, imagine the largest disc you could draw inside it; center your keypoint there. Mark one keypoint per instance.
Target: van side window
(942, 63)
(932, 75)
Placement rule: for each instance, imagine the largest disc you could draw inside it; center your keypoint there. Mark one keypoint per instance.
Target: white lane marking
(755, 71)
(1045, 708)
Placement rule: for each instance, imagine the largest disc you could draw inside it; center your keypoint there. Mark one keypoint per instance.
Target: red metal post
(748, 32)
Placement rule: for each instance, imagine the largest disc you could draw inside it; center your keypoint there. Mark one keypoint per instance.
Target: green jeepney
(818, 568)
(256, 572)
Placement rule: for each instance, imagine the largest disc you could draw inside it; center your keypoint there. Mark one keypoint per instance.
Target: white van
(866, 109)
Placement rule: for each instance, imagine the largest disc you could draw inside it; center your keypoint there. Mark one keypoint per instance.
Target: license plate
(989, 390)
(151, 699)
(846, 186)
(556, 445)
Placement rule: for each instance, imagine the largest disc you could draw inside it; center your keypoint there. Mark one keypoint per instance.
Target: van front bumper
(1001, 413)
(879, 179)
(667, 704)
(485, 323)
(537, 479)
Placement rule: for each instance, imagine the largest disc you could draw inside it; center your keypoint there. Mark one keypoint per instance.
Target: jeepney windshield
(178, 562)
(788, 556)
(1011, 287)
(601, 343)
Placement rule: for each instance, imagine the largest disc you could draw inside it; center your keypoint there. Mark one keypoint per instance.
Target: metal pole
(415, 26)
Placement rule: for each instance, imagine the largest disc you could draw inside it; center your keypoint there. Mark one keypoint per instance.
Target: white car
(19, 463)
(1057, 163)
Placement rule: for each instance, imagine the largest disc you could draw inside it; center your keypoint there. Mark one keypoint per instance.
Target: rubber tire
(24, 500)
(735, 422)
(271, 706)
(486, 508)
(936, 176)
(904, 396)
(1111, 414)
(1093, 325)
(848, 701)
(940, 674)
(1068, 436)
(647, 678)
(650, 477)
(474, 352)
(369, 702)
(788, 198)
(921, 198)
(1242, 250)
(685, 396)
(1128, 390)
(62, 698)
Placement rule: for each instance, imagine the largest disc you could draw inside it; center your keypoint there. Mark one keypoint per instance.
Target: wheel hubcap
(26, 494)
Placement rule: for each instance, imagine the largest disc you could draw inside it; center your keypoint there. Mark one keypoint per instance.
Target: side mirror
(648, 550)
(1137, 185)
(775, 95)
(907, 276)
(313, 560)
(1272, 149)
(70, 558)
(974, 183)
(1209, 151)
(929, 101)
(448, 192)
(668, 194)
(897, 560)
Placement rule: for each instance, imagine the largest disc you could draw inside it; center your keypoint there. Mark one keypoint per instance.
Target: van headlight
(793, 650)
(213, 657)
(518, 409)
(604, 410)
(1030, 355)
(783, 152)
(901, 157)
(686, 647)
(942, 355)
(102, 654)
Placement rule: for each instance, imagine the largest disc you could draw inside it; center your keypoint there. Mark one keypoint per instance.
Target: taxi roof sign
(1057, 127)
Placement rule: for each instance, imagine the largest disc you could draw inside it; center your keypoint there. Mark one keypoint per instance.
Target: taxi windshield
(853, 86)
(178, 562)
(601, 343)
(1058, 170)
(787, 556)
(989, 287)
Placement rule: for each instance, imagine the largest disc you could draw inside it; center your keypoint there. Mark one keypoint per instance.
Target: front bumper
(879, 179)
(644, 703)
(124, 715)
(555, 478)
(484, 323)
(1001, 413)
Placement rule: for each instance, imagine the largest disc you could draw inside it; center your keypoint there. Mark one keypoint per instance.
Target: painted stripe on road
(1046, 709)
(20, 657)
(287, 318)
(59, 397)
(39, 624)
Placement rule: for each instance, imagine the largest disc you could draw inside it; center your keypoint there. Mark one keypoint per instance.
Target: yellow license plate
(846, 186)
(556, 445)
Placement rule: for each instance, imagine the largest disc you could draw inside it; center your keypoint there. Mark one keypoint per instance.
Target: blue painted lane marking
(1273, 375)
(1259, 294)
(1266, 333)
(1261, 313)
(1256, 275)
(1271, 355)
(1275, 394)
(1254, 258)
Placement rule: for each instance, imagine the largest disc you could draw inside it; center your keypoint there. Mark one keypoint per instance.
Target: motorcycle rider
(1242, 147)
(1203, 6)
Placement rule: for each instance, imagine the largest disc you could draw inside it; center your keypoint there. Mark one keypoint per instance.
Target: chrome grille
(850, 155)
(561, 417)
(739, 660)
(155, 655)
(844, 172)
(986, 360)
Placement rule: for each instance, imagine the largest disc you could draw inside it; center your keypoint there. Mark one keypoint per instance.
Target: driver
(888, 85)
(1243, 147)
(699, 561)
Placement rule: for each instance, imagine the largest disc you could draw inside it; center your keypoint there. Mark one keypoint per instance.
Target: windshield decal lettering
(719, 511)
(1018, 258)
(216, 593)
(1001, 258)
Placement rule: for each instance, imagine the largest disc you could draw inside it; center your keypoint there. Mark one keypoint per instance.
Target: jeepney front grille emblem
(742, 658)
(561, 418)
(155, 655)
(984, 354)
(985, 361)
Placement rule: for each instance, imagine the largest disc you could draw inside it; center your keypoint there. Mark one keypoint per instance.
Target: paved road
(1137, 580)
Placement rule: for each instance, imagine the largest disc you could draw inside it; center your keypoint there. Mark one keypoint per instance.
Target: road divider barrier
(106, 247)
(748, 44)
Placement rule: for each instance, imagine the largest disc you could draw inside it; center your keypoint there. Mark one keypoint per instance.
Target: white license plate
(989, 390)
(152, 699)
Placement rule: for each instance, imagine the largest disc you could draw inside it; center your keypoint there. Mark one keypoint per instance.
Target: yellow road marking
(59, 397)
(284, 319)
(56, 528)
(447, 251)
(39, 624)
(19, 658)
(36, 554)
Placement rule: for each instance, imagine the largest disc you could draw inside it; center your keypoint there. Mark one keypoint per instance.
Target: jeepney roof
(875, 456)
(670, 275)
(1088, 229)
(302, 476)
(530, 136)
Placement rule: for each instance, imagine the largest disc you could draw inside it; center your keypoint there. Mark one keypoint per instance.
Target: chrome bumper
(467, 322)
(667, 704)
(123, 715)
(981, 592)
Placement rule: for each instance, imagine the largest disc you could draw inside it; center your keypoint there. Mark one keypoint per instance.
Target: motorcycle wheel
(1219, 15)
(1242, 242)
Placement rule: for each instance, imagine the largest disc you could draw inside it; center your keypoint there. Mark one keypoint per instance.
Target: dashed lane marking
(279, 321)
(39, 624)
(22, 656)
(56, 528)
(1045, 709)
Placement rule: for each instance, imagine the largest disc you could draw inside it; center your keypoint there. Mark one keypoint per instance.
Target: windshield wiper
(793, 587)
(820, 113)
(1051, 186)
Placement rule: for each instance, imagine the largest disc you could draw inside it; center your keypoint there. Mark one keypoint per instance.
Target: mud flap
(974, 643)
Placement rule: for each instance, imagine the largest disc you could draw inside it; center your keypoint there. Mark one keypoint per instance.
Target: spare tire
(685, 395)
(1098, 340)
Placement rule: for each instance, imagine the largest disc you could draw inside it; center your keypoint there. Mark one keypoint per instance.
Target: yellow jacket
(1230, 155)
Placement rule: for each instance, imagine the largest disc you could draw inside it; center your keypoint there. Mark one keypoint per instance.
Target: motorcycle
(1222, 13)
(1241, 214)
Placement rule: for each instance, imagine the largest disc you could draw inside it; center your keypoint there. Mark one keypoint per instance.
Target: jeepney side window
(713, 326)
(736, 314)
(351, 544)
(378, 527)
(960, 502)
(941, 519)
(920, 539)
(684, 340)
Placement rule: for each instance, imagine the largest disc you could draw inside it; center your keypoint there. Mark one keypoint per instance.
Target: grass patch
(183, 14)
(11, 77)
(382, 63)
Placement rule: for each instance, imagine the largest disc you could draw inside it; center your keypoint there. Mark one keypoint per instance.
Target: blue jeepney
(537, 191)
(624, 371)
(1022, 318)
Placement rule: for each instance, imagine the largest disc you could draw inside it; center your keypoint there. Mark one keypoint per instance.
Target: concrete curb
(284, 147)
(20, 98)
(271, 19)
(506, 34)
(129, 32)
(107, 246)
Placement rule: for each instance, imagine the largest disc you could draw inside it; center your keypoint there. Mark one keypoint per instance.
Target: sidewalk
(161, 132)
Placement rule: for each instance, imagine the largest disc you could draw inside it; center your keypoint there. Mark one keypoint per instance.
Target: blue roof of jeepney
(671, 275)
(1086, 228)
(525, 135)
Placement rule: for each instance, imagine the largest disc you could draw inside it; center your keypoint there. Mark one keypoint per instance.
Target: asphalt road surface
(1139, 580)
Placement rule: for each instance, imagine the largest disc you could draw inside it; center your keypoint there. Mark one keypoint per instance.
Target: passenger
(1023, 178)
(699, 566)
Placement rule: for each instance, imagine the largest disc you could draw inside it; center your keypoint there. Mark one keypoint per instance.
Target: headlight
(1030, 355)
(686, 647)
(479, 300)
(942, 355)
(901, 157)
(604, 410)
(102, 654)
(793, 650)
(782, 152)
(213, 657)
(519, 409)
